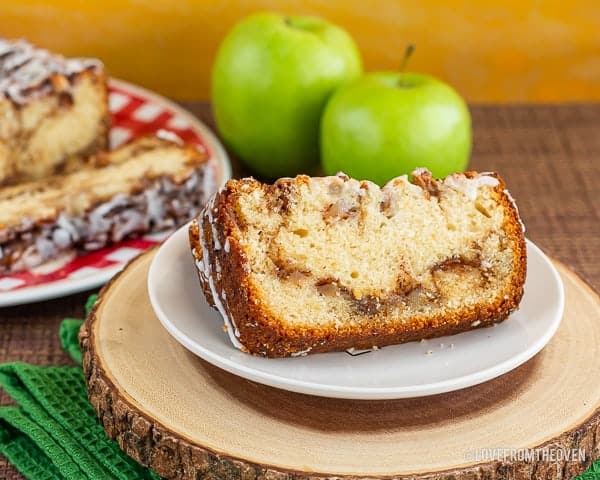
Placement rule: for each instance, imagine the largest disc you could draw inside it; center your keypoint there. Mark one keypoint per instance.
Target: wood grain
(186, 419)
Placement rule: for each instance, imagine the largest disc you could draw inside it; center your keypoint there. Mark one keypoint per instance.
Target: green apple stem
(408, 51)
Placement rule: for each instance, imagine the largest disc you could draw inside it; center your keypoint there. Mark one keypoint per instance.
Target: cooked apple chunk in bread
(312, 265)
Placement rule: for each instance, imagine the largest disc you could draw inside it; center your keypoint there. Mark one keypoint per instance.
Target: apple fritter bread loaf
(53, 111)
(148, 185)
(312, 265)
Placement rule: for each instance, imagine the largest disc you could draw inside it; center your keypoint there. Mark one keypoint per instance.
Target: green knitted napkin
(592, 473)
(53, 433)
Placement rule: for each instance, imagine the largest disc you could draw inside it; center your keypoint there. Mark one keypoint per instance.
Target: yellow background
(513, 50)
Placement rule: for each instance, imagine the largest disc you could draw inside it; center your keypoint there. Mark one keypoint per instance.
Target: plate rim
(358, 393)
(58, 288)
(66, 286)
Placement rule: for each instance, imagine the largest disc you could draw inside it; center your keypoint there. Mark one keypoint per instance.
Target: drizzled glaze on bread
(321, 264)
(148, 185)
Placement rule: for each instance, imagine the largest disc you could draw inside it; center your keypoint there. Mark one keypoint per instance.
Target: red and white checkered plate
(135, 112)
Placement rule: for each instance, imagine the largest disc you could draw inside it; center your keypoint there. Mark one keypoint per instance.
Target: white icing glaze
(204, 268)
(64, 223)
(211, 220)
(155, 209)
(169, 136)
(226, 246)
(390, 194)
(200, 266)
(232, 332)
(301, 353)
(470, 186)
(161, 206)
(420, 171)
(340, 185)
(61, 237)
(44, 246)
(358, 351)
(5, 47)
(24, 70)
(403, 180)
(128, 222)
(512, 200)
(208, 181)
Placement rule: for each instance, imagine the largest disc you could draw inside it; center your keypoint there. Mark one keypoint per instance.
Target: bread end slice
(146, 186)
(311, 265)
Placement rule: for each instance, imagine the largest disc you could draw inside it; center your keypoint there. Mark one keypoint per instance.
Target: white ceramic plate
(400, 371)
(135, 112)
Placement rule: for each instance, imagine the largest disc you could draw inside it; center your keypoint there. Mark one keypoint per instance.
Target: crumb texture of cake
(146, 186)
(313, 264)
(53, 112)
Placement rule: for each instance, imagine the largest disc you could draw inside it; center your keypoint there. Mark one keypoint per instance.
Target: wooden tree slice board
(187, 419)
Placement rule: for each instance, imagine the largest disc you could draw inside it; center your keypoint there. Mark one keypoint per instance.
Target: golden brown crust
(261, 332)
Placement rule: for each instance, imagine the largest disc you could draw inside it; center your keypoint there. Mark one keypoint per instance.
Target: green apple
(270, 82)
(387, 124)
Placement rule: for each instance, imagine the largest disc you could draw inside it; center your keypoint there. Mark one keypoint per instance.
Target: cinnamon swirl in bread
(53, 112)
(311, 265)
(148, 185)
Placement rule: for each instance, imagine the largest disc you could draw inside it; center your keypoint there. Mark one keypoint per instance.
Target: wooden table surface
(548, 155)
